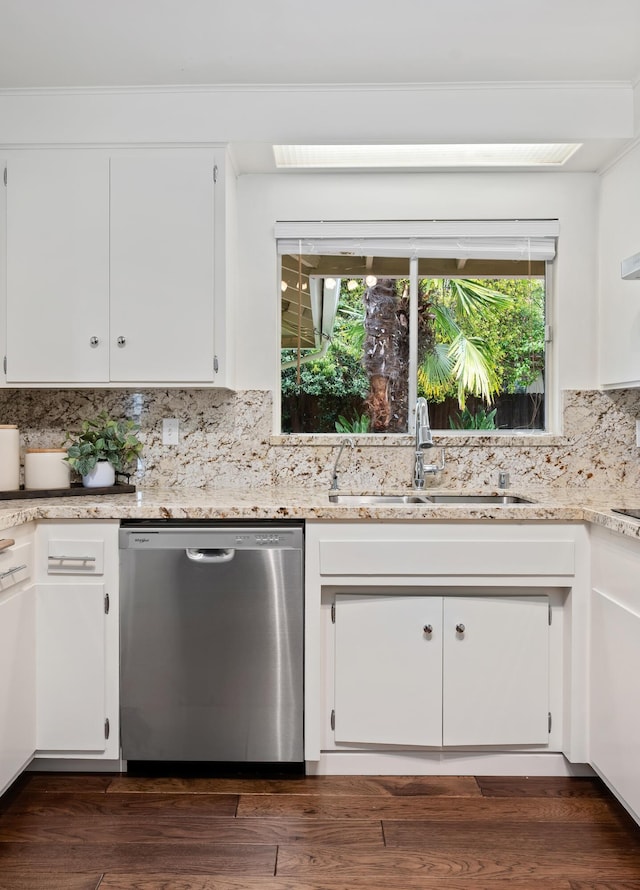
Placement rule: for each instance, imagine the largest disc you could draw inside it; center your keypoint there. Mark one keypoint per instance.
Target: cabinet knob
(460, 628)
(428, 629)
(121, 341)
(94, 341)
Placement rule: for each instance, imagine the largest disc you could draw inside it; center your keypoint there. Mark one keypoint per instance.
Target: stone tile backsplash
(226, 441)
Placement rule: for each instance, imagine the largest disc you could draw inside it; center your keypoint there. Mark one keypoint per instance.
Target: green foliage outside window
(480, 338)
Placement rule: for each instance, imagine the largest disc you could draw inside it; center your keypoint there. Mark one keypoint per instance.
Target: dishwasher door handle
(209, 556)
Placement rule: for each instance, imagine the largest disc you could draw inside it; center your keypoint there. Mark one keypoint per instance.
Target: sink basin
(478, 499)
(634, 514)
(364, 500)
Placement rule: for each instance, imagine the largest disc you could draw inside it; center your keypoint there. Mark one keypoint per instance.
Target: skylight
(363, 156)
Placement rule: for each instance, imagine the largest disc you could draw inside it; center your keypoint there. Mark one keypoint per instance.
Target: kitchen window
(376, 314)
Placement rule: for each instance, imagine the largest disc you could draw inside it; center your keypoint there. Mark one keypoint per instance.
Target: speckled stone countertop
(550, 504)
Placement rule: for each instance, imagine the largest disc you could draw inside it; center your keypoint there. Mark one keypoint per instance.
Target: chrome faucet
(334, 479)
(424, 440)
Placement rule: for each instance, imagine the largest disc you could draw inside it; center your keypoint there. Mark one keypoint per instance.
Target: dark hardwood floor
(81, 832)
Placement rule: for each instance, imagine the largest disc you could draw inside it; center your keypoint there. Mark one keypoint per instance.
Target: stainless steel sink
(505, 499)
(634, 514)
(364, 500)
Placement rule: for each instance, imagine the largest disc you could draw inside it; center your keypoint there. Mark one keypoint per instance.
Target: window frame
(541, 234)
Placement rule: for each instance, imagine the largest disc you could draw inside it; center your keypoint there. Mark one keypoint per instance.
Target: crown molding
(468, 86)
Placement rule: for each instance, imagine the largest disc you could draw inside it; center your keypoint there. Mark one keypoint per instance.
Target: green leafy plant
(480, 420)
(103, 438)
(355, 425)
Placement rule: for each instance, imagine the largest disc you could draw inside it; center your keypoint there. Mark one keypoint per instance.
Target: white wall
(569, 197)
(619, 301)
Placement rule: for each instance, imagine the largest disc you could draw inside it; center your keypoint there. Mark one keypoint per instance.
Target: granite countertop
(550, 504)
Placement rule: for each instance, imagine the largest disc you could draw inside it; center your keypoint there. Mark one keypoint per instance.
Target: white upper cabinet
(619, 300)
(57, 267)
(162, 253)
(112, 267)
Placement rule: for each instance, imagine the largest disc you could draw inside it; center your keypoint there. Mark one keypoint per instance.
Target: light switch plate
(170, 431)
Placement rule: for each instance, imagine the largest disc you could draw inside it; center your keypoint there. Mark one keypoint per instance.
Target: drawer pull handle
(428, 629)
(12, 571)
(460, 628)
(72, 559)
(6, 542)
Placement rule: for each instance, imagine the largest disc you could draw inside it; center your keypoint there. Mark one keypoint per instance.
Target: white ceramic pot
(102, 476)
(46, 468)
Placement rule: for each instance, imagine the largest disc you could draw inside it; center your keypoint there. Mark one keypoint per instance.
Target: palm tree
(448, 356)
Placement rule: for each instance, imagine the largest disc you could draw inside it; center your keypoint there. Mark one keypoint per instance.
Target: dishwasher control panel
(258, 539)
(270, 536)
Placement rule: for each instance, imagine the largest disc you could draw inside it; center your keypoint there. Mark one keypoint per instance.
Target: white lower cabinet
(77, 640)
(394, 684)
(17, 683)
(442, 671)
(17, 653)
(614, 730)
(71, 667)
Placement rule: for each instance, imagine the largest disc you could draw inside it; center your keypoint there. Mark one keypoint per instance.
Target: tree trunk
(386, 356)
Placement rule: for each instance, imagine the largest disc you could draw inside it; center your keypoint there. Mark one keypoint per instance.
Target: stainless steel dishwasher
(211, 641)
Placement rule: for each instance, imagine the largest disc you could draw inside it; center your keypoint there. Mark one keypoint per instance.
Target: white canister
(46, 468)
(9, 458)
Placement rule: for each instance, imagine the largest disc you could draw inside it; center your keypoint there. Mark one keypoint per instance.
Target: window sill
(449, 439)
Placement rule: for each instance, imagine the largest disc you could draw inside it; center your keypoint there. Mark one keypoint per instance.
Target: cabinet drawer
(460, 557)
(15, 562)
(74, 557)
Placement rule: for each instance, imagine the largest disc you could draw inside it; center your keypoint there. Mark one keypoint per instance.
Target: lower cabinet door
(70, 626)
(615, 691)
(17, 684)
(441, 671)
(496, 670)
(388, 670)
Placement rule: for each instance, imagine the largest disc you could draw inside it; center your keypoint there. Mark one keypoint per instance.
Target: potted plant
(102, 448)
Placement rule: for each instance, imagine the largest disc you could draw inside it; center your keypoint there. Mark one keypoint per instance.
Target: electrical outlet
(170, 431)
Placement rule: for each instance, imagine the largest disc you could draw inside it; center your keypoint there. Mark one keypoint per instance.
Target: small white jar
(9, 458)
(46, 468)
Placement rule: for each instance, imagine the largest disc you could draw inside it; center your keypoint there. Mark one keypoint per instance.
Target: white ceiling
(57, 43)
(118, 43)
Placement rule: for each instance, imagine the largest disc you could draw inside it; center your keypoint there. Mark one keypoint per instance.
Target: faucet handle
(432, 469)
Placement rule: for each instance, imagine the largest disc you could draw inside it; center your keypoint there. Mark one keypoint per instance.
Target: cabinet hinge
(548, 333)
(333, 720)
(333, 613)
(107, 728)
(215, 364)
(549, 721)
(215, 172)
(4, 176)
(106, 604)
(549, 613)
(4, 364)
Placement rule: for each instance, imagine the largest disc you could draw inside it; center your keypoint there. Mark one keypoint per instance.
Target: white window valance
(459, 239)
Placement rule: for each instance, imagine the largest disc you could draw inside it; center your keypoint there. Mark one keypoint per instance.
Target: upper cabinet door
(57, 267)
(162, 249)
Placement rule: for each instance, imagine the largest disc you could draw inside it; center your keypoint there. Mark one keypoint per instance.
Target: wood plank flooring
(81, 832)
